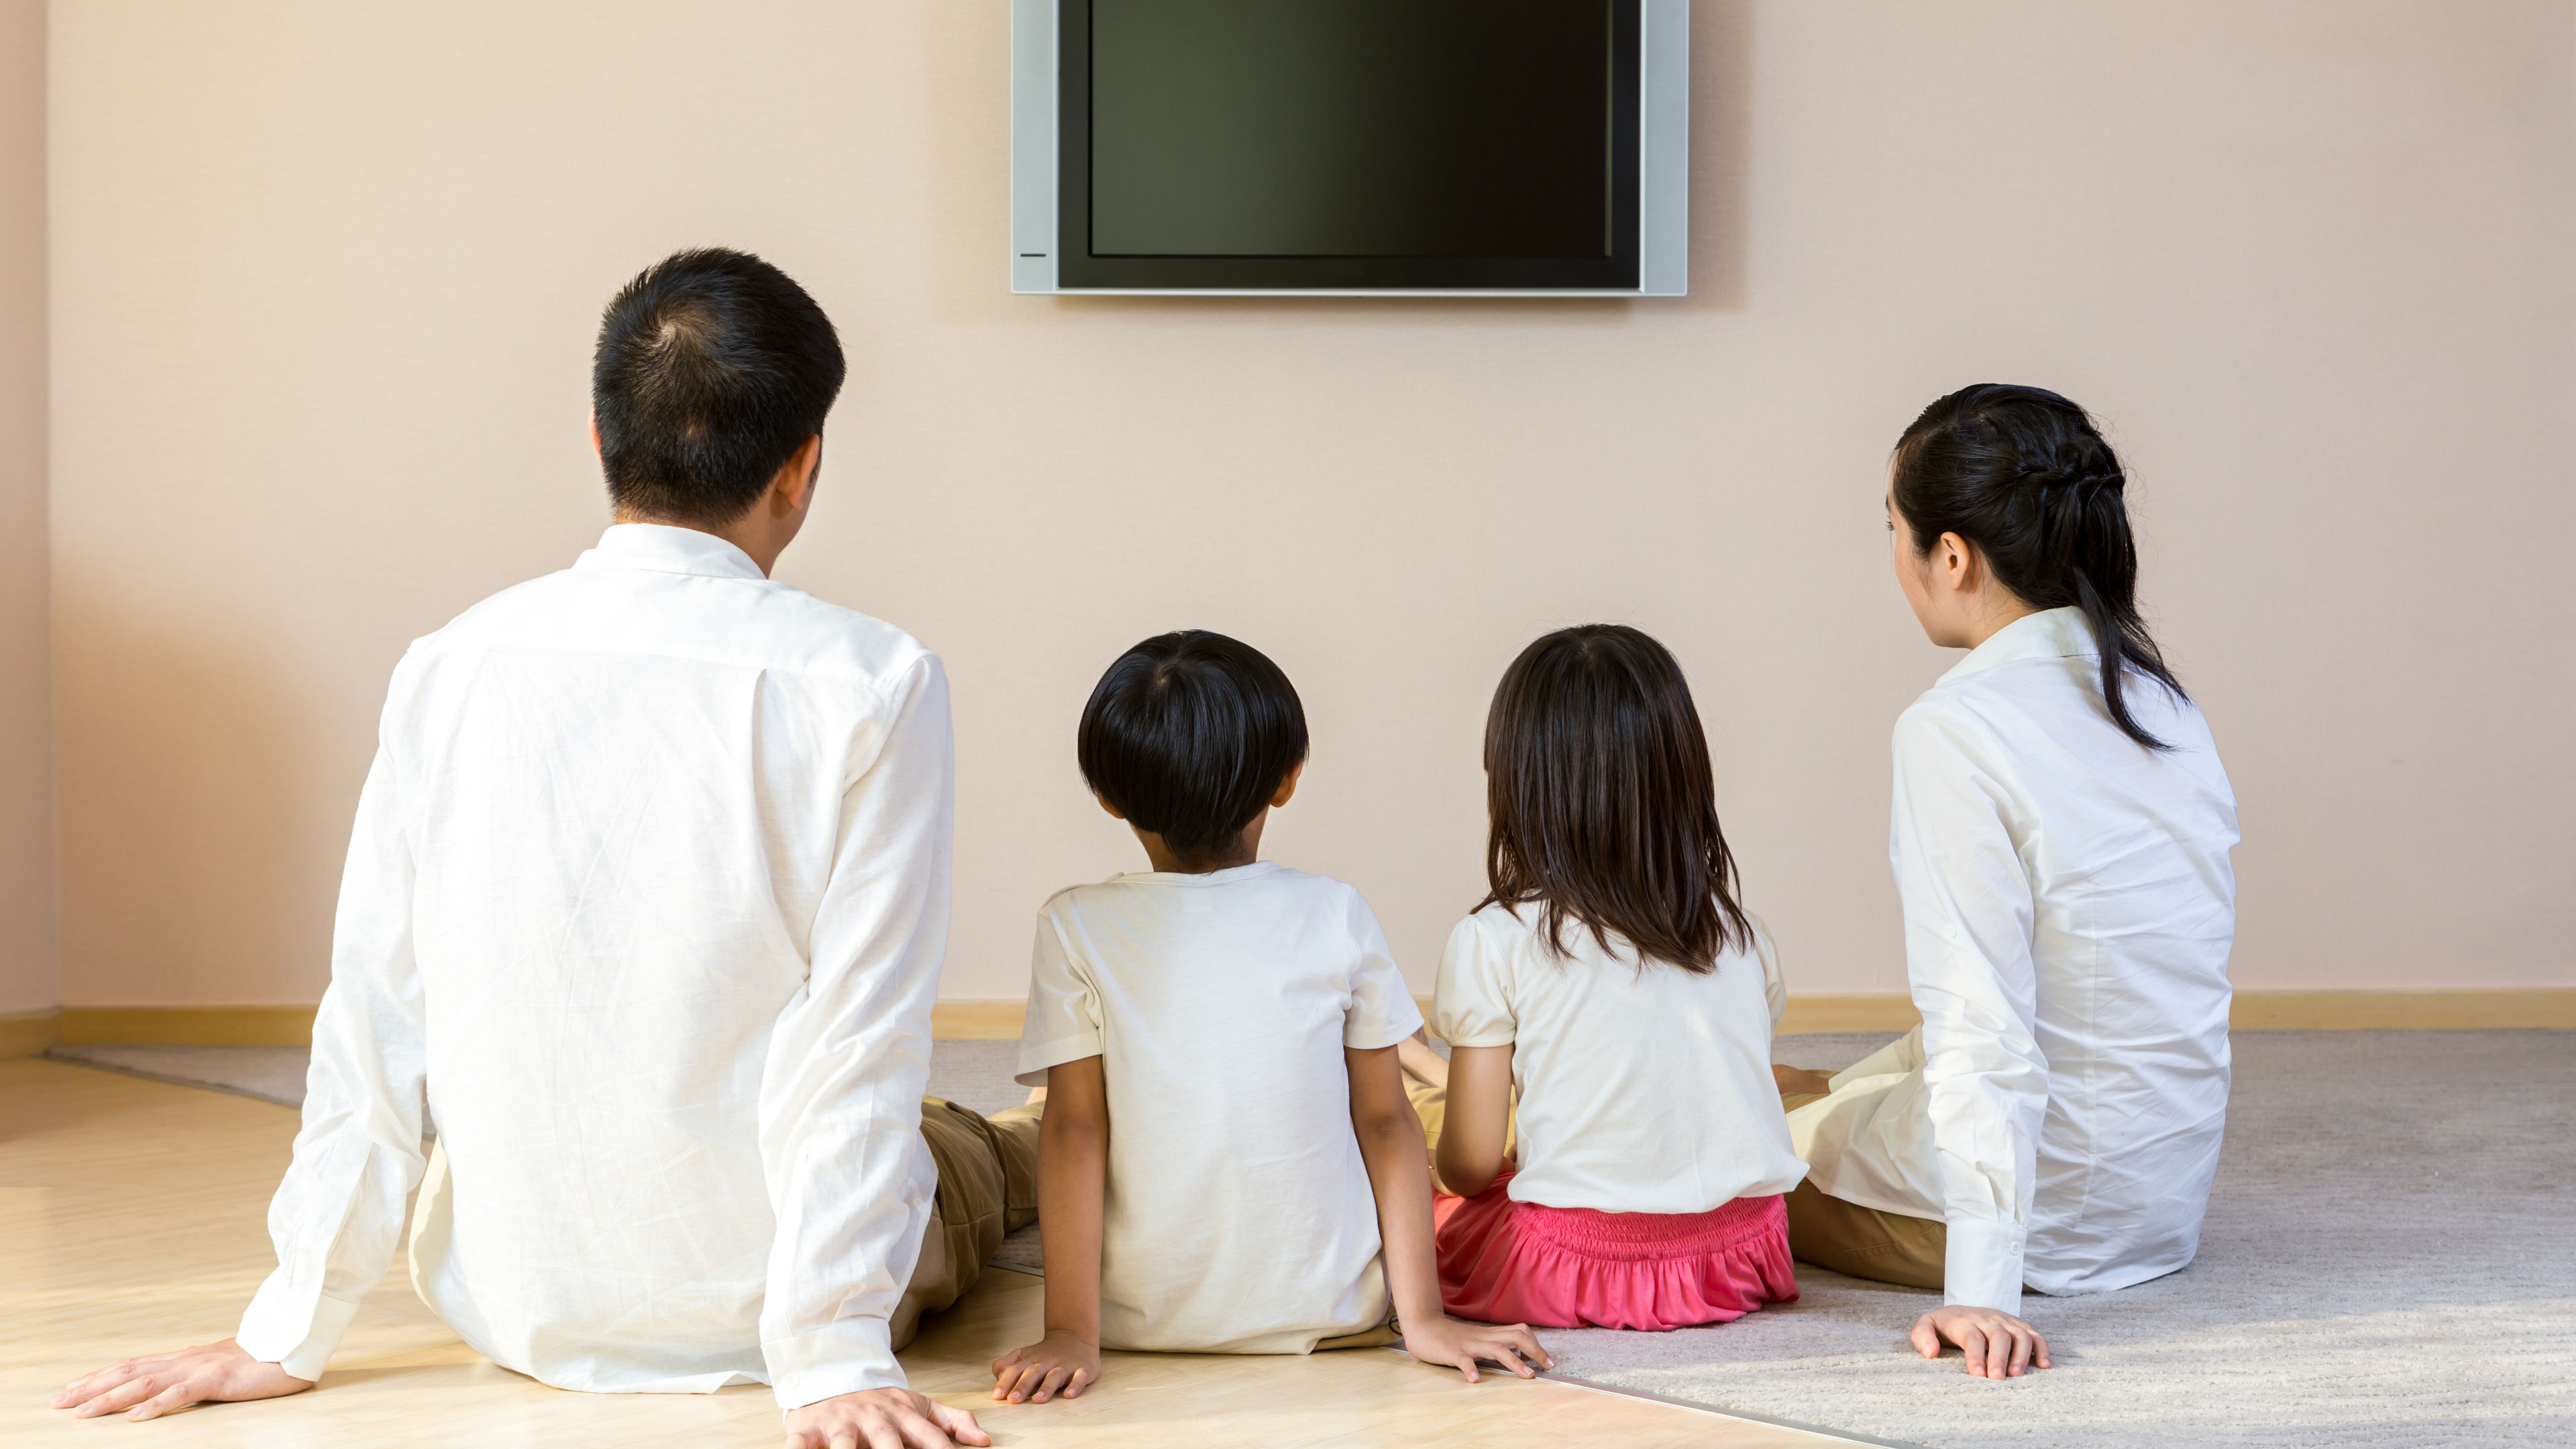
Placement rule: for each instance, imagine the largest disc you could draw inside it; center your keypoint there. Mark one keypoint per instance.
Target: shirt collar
(662, 549)
(2048, 634)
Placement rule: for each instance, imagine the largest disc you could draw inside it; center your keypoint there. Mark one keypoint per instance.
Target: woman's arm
(1073, 1174)
(1478, 1127)
(1391, 1146)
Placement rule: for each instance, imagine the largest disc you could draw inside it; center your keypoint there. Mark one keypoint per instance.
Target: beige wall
(326, 277)
(27, 954)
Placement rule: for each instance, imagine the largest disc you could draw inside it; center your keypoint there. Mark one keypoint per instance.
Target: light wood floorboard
(132, 1220)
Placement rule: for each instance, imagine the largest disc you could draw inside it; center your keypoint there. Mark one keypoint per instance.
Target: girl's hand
(1059, 1362)
(1448, 1341)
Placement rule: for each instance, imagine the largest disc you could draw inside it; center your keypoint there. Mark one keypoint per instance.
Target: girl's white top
(1643, 1088)
(1238, 1216)
(2069, 907)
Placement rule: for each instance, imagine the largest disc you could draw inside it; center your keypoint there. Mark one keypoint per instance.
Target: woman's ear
(1288, 785)
(1955, 562)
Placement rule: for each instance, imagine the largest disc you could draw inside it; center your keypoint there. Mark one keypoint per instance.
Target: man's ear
(793, 489)
(1288, 785)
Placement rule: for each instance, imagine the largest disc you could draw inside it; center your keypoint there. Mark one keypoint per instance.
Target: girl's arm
(1073, 1172)
(1473, 1137)
(1391, 1145)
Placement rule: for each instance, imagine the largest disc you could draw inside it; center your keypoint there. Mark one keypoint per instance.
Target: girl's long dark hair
(1604, 811)
(2025, 476)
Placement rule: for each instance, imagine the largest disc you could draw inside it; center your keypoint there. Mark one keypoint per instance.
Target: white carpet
(2390, 1259)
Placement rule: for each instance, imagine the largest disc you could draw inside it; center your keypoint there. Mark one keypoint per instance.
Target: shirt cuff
(1034, 1060)
(295, 1331)
(1982, 1267)
(844, 1357)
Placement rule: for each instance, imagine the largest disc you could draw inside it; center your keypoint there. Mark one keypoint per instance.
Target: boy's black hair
(713, 368)
(1189, 735)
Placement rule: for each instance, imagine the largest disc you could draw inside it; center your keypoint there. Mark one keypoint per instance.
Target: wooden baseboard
(26, 1033)
(977, 1020)
(29, 1033)
(187, 1026)
(2538, 1006)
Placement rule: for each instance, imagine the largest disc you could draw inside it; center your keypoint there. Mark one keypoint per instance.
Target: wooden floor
(132, 1220)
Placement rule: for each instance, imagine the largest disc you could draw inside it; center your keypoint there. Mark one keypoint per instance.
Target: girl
(2061, 837)
(1611, 977)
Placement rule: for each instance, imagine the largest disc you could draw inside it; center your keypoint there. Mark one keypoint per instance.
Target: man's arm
(1968, 923)
(338, 1213)
(1073, 1178)
(840, 1098)
(1391, 1146)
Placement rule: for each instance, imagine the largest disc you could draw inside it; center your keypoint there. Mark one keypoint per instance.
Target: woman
(2060, 842)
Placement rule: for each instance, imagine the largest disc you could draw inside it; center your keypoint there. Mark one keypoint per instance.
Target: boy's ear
(1114, 812)
(1288, 786)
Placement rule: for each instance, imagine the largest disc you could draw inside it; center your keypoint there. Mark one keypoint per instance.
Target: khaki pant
(1863, 1242)
(988, 1187)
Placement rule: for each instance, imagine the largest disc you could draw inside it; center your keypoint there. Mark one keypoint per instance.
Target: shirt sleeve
(1968, 921)
(1775, 987)
(1382, 1012)
(1471, 1006)
(1063, 1021)
(339, 1211)
(849, 1179)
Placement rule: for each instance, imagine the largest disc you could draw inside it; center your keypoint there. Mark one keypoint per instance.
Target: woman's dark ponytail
(2025, 476)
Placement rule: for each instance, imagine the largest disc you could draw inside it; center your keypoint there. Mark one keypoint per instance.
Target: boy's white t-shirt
(1641, 1090)
(1238, 1216)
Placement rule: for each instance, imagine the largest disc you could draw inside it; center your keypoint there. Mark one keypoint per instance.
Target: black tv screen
(1329, 143)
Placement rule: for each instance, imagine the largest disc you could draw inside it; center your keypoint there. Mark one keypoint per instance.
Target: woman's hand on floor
(147, 1388)
(1058, 1363)
(1998, 1345)
(1454, 1344)
(881, 1419)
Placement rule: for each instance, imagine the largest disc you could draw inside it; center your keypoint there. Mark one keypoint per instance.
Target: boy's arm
(1474, 1134)
(1073, 1175)
(1390, 1139)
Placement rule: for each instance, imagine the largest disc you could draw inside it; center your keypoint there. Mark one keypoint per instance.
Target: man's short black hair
(713, 368)
(1189, 735)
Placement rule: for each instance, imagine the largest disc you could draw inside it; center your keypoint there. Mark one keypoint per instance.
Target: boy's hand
(147, 1388)
(1998, 1345)
(1059, 1362)
(880, 1419)
(1458, 1345)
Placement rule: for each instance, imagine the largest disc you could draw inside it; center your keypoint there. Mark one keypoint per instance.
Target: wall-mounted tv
(1408, 147)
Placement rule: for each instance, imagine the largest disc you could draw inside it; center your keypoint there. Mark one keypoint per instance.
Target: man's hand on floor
(881, 1419)
(1998, 1345)
(147, 1388)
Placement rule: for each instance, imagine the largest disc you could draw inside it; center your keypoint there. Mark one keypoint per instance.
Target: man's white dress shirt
(2069, 907)
(647, 896)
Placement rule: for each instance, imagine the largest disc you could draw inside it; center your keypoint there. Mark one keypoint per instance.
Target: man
(647, 899)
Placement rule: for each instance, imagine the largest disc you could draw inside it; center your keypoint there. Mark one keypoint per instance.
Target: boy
(1214, 994)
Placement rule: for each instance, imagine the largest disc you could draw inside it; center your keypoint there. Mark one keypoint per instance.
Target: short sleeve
(1382, 1011)
(1473, 1007)
(1775, 988)
(1063, 1022)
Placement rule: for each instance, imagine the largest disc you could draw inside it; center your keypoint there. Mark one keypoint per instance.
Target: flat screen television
(1408, 147)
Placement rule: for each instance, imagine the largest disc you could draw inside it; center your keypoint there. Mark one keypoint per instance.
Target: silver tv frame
(1663, 159)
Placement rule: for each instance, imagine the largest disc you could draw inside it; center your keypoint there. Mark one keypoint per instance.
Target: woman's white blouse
(2069, 907)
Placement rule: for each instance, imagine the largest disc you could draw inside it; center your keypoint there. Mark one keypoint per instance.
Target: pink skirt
(1518, 1262)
